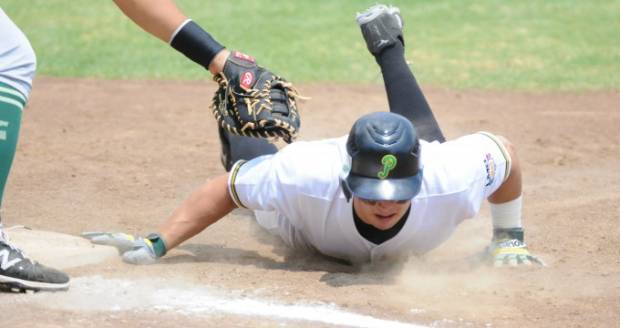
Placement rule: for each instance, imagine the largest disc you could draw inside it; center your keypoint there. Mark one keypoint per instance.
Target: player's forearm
(204, 207)
(158, 17)
(163, 19)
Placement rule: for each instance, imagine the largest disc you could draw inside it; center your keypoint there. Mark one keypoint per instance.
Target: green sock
(11, 105)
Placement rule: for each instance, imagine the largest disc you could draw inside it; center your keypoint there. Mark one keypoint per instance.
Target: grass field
(529, 44)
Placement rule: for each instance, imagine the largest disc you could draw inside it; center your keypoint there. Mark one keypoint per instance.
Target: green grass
(489, 44)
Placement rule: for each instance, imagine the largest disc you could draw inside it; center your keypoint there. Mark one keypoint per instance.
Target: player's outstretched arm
(202, 208)
(164, 20)
(158, 17)
(251, 100)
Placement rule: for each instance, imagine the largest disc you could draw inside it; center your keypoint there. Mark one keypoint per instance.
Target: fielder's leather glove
(253, 102)
(508, 249)
(134, 250)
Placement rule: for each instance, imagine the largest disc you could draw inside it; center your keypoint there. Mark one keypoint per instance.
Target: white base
(57, 250)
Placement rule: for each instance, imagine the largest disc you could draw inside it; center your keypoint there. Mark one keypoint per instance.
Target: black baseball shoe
(18, 273)
(382, 27)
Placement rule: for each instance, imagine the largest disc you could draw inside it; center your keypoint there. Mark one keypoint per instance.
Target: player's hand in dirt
(134, 250)
(508, 249)
(512, 252)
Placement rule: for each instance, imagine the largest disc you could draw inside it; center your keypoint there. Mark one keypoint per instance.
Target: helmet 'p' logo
(389, 163)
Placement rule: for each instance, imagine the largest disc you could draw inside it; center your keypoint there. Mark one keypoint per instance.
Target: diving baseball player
(390, 188)
(17, 69)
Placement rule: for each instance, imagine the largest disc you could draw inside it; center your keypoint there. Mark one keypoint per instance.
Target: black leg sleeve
(404, 94)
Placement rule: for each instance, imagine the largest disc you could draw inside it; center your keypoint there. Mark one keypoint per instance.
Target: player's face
(382, 214)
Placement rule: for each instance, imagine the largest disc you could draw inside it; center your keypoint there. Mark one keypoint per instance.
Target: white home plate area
(96, 293)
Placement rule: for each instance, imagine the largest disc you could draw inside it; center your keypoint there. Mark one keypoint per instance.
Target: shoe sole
(372, 13)
(19, 285)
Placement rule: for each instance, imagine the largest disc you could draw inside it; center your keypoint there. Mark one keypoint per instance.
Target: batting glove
(134, 250)
(508, 249)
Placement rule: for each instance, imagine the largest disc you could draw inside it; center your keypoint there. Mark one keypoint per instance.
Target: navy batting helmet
(385, 158)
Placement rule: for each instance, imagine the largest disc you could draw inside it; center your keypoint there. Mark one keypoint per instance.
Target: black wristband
(196, 44)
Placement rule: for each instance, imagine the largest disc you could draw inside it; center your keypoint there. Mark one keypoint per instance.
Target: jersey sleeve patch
(489, 162)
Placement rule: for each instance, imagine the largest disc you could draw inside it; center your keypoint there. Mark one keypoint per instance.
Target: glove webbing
(280, 129)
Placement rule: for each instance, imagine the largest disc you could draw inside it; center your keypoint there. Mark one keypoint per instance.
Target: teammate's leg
(382, 29)
(18, 272)
(17, 69)
(11, 103)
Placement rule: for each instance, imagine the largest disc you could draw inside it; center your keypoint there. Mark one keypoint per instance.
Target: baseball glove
(251, 101)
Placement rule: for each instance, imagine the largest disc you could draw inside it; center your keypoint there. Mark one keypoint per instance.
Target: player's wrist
(158, 244)
(507, 214)
(500, 234)
(217, 64)
(196, 43)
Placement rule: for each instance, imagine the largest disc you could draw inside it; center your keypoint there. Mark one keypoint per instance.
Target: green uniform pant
(12, 103)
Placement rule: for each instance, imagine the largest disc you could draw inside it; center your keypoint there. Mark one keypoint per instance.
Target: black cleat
(20, 274)
(382, 27)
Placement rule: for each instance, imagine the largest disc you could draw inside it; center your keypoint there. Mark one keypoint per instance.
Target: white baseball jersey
(296, 194)
(17, 59)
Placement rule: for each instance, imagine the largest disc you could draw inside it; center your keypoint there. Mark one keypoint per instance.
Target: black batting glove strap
(508, 234)
(196, 44)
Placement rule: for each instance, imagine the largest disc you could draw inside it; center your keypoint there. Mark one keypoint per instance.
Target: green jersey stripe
(7, 91)
(11, 101)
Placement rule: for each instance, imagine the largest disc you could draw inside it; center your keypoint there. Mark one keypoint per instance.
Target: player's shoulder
(314, 152)
(451, 166)
(308, 163)
(445, 153)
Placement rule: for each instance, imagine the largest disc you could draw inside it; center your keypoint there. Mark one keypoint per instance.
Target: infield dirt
(121, 155)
